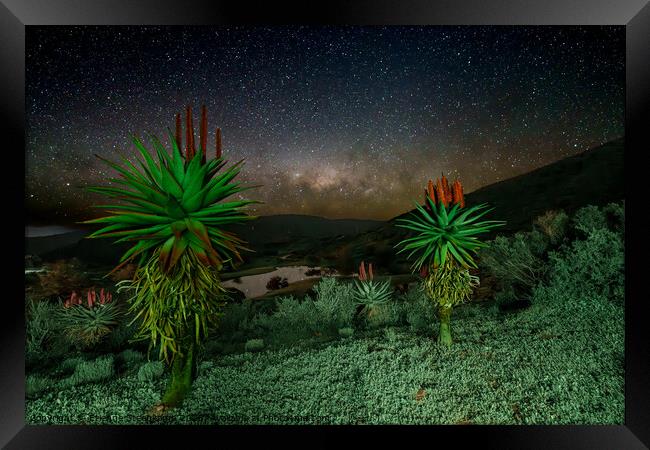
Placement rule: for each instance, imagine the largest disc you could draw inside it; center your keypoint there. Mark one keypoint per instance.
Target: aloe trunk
(181, 378)
(444, 333)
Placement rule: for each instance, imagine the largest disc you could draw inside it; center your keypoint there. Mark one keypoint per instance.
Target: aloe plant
(444, 243)
(173, 209)
(370, 294)
(86, 322)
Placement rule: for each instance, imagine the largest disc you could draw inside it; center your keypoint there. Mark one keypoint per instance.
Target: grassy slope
(550, 364)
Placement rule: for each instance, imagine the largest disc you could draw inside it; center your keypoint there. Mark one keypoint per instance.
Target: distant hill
(278, 230)
(40, 245)
(289, 227)
(594, 177)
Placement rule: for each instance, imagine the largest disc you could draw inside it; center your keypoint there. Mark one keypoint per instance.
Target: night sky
(340, 122)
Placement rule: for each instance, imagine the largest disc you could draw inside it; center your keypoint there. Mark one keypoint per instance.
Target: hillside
(593, 177)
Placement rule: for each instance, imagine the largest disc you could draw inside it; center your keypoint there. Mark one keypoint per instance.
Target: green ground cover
(558, 361)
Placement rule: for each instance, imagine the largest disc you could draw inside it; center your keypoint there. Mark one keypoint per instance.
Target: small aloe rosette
(86, 320)
(368, 293)
(445, 241)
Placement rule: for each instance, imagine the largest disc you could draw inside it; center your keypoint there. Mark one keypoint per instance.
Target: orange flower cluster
(190, 149)
(362, 272)
(441, 192)
(91, 298)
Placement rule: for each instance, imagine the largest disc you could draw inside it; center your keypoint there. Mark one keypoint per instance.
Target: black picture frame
(15, 15)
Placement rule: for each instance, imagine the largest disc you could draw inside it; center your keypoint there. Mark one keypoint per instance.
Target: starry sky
(339, 122)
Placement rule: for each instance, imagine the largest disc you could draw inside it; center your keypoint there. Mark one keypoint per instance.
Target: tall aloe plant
(445, 239)
(172, 208)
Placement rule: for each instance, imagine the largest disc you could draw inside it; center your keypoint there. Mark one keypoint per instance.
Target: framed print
(257, 216)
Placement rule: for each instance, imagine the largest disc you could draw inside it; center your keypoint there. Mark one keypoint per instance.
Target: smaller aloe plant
(86, 321)
(369, 293)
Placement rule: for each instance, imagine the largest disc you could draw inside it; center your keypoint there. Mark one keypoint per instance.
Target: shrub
(91, 371)
(553, 224)
(332, 308)
(588, 219)
(334, 304)
(69, 365)
(419, 310)
(616, 214)
(35, 385)
(537, 242)
(592, 267)
(40, 329)
(204, 367)
(151, 371)
(390, 313)
(380, 316)
(236, 316)
(292, 319)
(130, 358)
(512, 261)
(346, 332)
(254, 345)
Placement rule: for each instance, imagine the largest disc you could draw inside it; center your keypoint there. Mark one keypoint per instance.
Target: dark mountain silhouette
(594, 177)
(277, 230)
(289, 227)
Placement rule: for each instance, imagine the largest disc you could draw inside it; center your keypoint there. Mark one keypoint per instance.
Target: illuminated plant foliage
(86, 321)
(368, 292)
(444, 231)
(173, 209)
(444, 242)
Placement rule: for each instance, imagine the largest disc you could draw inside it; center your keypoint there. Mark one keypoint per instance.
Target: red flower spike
(431, 191)
(189, 133)
(445, 188)
(218, 145)
(179, 132)
(442, 198)
(204, 132)
(370, 271)
(461, 195)
(90, 299)
(362, 271)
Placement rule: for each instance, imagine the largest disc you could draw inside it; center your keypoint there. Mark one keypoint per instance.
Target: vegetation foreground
(548, 350)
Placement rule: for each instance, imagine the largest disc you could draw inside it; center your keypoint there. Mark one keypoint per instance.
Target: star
(340, 122)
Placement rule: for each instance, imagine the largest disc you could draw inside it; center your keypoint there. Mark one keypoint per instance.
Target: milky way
(340, 122)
